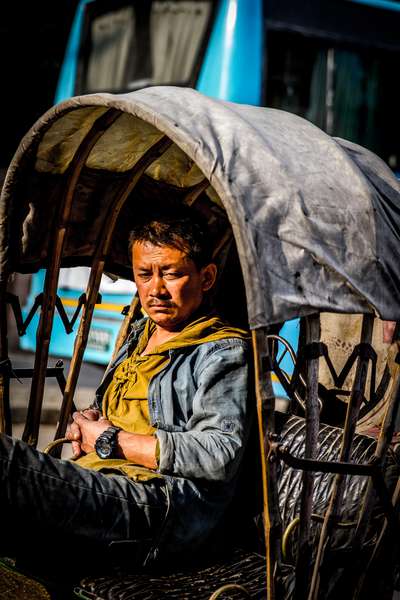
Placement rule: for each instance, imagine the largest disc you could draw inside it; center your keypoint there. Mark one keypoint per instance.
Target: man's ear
(209, 275)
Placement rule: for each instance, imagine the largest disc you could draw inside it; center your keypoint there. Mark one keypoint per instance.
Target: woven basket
(15, 586)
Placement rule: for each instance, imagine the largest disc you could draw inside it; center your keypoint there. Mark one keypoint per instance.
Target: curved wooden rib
(228, 587)
(192, 196)
(31, 430)
(266, 424)
(59, 442)
(96, 273)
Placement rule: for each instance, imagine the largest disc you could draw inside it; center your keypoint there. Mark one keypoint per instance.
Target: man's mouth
(160, 304)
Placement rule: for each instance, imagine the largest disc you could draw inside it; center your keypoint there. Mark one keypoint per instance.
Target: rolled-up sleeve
(213, 441)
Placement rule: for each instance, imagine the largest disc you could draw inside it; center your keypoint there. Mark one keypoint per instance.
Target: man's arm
(137, 448)
(216, 432)
(212, 444)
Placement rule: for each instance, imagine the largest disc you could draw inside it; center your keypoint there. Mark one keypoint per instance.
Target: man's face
(169, 284)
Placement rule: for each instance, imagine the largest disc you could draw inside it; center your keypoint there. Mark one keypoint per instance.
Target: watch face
(103, 447)
(106, 443)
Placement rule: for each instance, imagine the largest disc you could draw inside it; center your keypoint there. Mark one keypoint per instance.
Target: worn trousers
(62, 505)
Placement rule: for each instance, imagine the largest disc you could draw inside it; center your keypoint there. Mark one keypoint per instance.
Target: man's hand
(74, 431)
(90, 430)
(135, 447)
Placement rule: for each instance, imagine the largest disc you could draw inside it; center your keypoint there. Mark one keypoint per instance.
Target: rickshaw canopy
(316, 219)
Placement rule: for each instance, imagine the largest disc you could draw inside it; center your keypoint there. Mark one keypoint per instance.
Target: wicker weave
(15, 586)
(245, 569)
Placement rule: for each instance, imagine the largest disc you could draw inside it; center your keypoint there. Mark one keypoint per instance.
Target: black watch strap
(106, 444)
(111, 432)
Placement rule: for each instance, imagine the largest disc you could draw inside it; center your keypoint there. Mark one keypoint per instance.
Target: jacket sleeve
(213, 441)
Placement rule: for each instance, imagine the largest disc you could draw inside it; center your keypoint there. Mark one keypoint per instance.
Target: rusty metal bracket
(14, 302)
(69, 324)
(22, 325)
(26, 373)
(315, 350)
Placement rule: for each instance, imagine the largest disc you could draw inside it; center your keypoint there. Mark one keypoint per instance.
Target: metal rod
(96, 273)
(324, 466)
(25, 324)
(266, 424)
(27, 373)
(43, 334)
(365, 470)
(353, 409)
(303, 564)
(14, 302)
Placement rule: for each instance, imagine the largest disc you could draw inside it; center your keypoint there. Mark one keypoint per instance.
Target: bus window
(341, 89)
(132, 45)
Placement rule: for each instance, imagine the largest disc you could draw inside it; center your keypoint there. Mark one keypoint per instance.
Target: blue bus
(330, 61)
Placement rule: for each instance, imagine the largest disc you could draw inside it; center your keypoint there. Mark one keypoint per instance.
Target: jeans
(75, 512)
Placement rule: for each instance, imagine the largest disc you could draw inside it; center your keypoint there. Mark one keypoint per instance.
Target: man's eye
(172, 274)
(144, 275)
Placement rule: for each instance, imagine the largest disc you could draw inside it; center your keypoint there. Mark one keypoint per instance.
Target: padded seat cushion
(290, 480)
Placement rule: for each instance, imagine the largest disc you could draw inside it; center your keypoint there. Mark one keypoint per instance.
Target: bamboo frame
(353, 409)
(303, 565)
(96, 273)
(5, 411)
(31, 430)
(266, 424)
(195, 192)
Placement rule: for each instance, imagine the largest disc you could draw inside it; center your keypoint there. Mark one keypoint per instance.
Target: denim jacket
(199, 405)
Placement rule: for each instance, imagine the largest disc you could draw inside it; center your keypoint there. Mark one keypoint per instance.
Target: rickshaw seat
(241, 568)
(244, 566)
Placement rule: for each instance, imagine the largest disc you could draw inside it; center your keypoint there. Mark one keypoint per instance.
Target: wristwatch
(107, 442)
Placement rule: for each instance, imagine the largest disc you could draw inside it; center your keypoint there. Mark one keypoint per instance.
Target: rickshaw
(305, 226)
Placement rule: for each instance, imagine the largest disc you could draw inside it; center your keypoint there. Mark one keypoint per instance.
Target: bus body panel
(241, 42)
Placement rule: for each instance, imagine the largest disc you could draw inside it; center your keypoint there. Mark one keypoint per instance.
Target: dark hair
(178, 226)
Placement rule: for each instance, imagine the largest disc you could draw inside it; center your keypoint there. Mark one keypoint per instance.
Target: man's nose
(158, 287)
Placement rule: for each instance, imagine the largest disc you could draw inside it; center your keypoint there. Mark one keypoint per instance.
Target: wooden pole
(31, 430)
(266, 424)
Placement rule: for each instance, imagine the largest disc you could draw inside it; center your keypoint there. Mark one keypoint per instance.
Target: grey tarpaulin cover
(316, 219)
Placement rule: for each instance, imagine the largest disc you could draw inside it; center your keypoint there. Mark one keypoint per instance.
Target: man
(157, 456)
